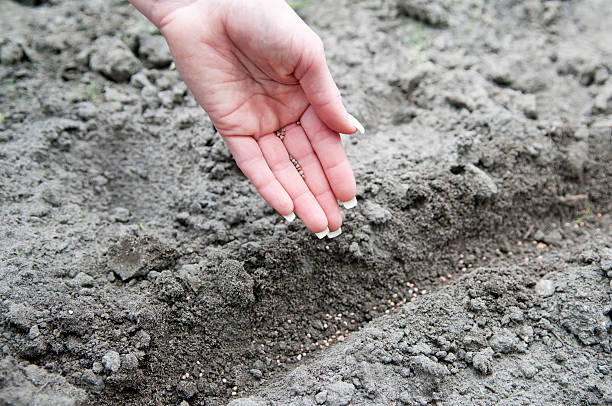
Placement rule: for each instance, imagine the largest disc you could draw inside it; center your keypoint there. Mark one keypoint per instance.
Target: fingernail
(356, 123)
(335, 233)
(351, 203)
(322, 233)
(290, 217)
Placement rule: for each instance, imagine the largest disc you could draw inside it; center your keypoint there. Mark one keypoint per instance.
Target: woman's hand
(256, 67)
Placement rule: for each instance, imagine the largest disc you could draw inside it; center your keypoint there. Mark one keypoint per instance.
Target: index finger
(251, 161)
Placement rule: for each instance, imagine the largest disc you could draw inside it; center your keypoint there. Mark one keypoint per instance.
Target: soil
(138, 266)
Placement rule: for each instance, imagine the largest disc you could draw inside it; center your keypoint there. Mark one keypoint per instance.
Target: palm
(250, 101)
(255, 67)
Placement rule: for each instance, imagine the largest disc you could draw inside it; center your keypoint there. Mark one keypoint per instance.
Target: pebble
(321, 397)
(120, 215)
(186, 389)
(545, 287)
(483, 361)
(113, 59)
(11, 53)
(528, 370)
(97, 367)
(153, 49)
(257, 374)
(339, 393)
(375, 213)
(129, 361)
(111, 361)
(82, 279)
(34, 332)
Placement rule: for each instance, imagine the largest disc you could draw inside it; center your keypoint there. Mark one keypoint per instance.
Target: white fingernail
(351, 203)
(356, 123)
(290, 217)
(322, 233)
(335, 233)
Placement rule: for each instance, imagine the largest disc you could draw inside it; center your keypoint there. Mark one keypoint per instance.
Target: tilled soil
(139, 266)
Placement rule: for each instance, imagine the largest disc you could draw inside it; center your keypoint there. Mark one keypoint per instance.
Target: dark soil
(139, 266)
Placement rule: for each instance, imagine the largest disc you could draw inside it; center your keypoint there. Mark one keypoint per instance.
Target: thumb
(321, 90)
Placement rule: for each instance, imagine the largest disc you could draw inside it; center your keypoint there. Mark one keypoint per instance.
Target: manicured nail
(322, 233)
(335, 233)
(290, 217)
(351, 203)
(356, 123)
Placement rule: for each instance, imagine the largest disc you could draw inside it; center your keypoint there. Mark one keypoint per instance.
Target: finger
(328, 147)
(298, 145)
(251, 162)
(321, 90)
(305, 204)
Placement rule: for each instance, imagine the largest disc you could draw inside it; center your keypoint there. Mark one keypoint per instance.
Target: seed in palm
(281, 133)
(298, 167)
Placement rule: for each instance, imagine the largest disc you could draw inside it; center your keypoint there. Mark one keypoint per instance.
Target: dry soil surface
(138, 266)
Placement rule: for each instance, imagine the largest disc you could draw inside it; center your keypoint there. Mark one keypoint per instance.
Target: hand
(256, 67)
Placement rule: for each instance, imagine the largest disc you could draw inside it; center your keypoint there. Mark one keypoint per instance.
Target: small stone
(428, 12)
(90, 378)
(83, 280)
(21, 316)
(120, 214)
(420, 348)
(504, 341)
(257, 374)
(183, 218)
(112, 58)
(528, 370)
(111, 361)
(589, 257)
(11, 53)
(483, 361)
(554, 237)
(186, 389)
(459, 101)
(142, 339)
(477, 305)
(375, 213)
(138, 256)
(97, 367)
(527, 103)
(424, 365)
(484, 186)
(545, 287)
(321, 397)
(34, 332)
(129, 361)
(154, 50)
